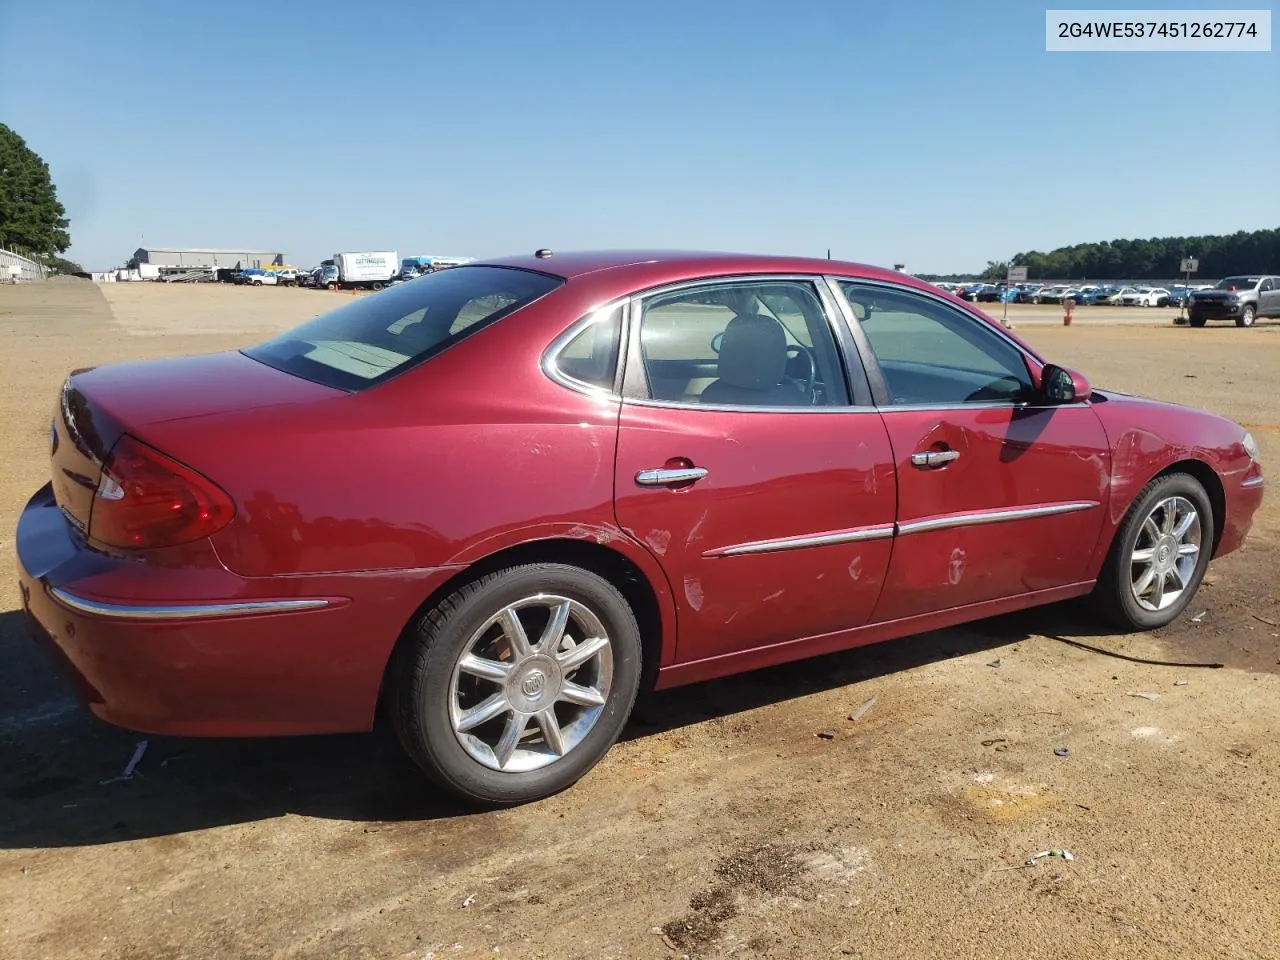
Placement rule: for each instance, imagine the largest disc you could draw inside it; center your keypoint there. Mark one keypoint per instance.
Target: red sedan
(503, 497)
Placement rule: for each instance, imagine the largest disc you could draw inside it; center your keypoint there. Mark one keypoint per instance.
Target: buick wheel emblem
(533, 684)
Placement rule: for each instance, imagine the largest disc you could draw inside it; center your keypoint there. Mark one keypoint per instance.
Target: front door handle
(934, 458)
(664, 476)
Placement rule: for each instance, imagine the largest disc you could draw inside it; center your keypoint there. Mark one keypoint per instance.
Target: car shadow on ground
(61, 772)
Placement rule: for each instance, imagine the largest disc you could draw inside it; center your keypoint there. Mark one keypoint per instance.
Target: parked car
(1117, 295)
(503, 498)
(1027, 293)
(1144, 297)
(1242, 299)
(1051, 294)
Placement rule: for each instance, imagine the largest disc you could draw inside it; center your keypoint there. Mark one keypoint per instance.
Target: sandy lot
(722, 825)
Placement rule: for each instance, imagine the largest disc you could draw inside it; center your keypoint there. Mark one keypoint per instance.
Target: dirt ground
(723, 824)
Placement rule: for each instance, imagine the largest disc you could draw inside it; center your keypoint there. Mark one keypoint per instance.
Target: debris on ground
(993, 741)
(995, 663)
(1146, 696)
(857, 714)
(131, 767)
(1180, 683)
(1199, 616)
(826, 734)
(471, 898)
(1269, 623)
(1062, 751)
(1037, 857)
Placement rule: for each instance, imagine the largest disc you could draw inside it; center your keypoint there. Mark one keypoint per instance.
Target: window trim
(635, 383)
(871, 364)
(551, 355)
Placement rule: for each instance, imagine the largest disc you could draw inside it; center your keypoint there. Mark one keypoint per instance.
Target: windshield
(1237, 283)
(379, 336)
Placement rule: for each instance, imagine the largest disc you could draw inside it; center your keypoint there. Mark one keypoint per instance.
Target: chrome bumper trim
(193, 611)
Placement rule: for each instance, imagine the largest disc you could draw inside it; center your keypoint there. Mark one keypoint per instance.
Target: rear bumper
(206, 653)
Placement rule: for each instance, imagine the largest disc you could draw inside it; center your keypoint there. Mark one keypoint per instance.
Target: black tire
(422, 669)
(1196, 321)
(1246, 316)
(1113, 596)
(377, 285)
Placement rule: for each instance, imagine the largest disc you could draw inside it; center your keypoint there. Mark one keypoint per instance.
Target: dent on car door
(999, 492)
(764, 492)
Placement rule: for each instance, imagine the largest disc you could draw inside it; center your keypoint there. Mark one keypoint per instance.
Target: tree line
(1256, 251)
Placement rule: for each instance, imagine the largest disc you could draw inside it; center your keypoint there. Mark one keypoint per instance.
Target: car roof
(646, 267)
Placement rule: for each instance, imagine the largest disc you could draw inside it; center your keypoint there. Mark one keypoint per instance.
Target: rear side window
(376, 337)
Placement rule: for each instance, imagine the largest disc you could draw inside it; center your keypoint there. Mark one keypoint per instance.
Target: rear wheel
(515, 686)
(1196, 321)
(1159, 555)
(1246, 317)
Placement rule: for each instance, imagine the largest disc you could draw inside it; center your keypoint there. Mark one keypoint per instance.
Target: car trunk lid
(98, 404)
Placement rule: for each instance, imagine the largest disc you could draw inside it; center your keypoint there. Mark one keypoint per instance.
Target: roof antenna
(542, 254)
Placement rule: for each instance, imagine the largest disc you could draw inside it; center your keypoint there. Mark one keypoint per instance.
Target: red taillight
(145, 499)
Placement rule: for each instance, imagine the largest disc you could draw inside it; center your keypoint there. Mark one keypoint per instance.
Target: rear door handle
(934, 458)
(663, 476)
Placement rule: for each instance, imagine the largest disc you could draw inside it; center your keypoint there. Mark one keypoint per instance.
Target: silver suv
(1242, 299)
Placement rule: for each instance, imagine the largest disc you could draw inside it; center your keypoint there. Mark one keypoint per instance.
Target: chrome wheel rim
(1165, 554)
(531, 683)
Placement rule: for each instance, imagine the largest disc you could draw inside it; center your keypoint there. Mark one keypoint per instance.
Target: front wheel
(1246, 317)
(1159, 555)
(517, 684)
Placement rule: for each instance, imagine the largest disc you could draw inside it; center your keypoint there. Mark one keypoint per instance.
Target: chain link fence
(27, 271)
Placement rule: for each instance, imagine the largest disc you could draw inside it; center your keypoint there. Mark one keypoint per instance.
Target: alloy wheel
(1165, 554)
(531, 683)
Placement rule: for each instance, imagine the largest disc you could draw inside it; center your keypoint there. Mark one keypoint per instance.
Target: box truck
(372, 269)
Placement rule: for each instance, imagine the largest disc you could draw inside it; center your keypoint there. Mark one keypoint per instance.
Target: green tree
(32, 220)
(59, 265)
(1157, 258)
(996, 270)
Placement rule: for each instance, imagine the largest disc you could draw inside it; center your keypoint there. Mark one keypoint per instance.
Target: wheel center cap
(534, 682)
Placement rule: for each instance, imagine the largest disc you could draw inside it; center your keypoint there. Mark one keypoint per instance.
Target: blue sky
(935, 134)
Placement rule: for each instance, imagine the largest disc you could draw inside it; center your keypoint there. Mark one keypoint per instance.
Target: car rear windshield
(377, 337)
(1238, 283)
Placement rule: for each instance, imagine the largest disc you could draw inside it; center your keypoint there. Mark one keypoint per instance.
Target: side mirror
(1060, 385)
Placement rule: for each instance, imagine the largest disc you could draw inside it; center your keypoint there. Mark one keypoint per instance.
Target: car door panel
(1018, 510)
(780, 523)
(788, 534)
(999, 493)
